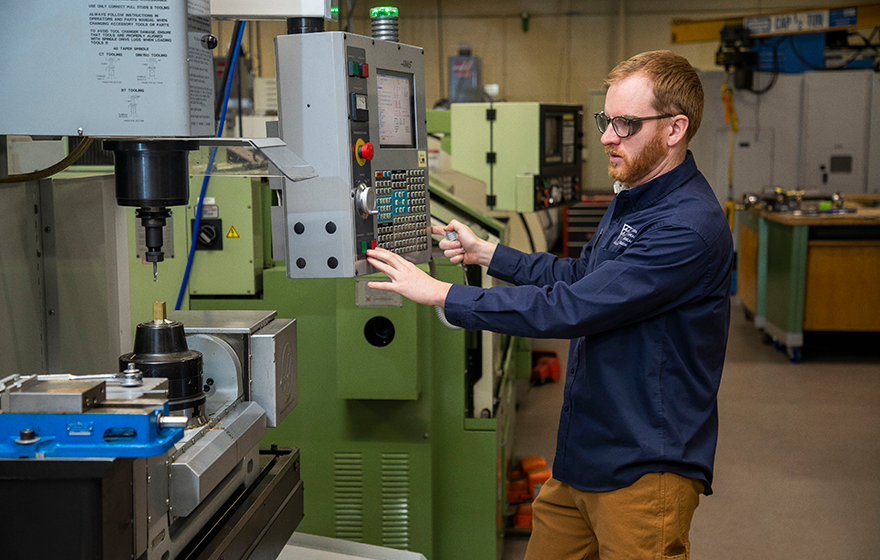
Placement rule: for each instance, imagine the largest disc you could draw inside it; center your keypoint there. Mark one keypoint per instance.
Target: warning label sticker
(233, 233)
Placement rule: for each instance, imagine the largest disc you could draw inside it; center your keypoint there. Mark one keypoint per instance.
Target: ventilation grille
(395, 500)
(348, 478)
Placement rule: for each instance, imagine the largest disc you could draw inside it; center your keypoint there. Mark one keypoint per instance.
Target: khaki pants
(648, 520)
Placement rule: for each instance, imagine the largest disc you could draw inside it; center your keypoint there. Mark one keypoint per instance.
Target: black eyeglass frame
(634, 124)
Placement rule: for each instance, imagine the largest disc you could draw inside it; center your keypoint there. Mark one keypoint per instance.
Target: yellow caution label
(233, 234)
(423, 158)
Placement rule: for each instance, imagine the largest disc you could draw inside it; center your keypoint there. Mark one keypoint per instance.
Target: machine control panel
(556, 191)
(528, 154)
(559, 181)
(356, 113)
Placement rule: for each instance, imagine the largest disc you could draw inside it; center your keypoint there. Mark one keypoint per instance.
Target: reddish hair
(677, 88)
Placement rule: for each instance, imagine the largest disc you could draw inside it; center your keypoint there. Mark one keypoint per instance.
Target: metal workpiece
(34, 396)
(122, 392)
(159, 314)
(202, 467)
(131, 377)
(223, 322)
(274, 369)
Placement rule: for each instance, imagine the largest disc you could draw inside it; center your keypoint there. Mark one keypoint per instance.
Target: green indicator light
(383, 11)
(334, 10)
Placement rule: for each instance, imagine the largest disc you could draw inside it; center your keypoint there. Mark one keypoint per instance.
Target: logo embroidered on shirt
(626, 236)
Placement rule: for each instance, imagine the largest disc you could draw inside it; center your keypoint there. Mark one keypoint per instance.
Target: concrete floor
(797, 470)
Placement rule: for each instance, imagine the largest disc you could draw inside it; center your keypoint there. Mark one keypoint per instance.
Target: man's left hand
(407, 279)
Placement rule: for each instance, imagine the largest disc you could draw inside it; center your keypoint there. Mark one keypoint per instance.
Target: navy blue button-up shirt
(647, 309)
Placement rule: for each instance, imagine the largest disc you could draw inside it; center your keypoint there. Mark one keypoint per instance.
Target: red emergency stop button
(366, 151)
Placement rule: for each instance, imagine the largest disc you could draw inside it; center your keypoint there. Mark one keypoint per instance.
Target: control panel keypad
(403, 217)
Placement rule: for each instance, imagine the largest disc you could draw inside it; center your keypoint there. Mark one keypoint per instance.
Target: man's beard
(635, 167)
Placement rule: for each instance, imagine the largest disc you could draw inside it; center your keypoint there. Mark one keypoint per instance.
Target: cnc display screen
(396, 109)
(551, 140)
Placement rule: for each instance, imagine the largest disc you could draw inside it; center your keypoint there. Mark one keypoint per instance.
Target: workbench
(809, 272)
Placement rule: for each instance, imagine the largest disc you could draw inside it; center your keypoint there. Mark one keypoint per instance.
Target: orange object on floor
(518, 491)
(545, 366)
(533, 463)
(516, 472)
(522, 519)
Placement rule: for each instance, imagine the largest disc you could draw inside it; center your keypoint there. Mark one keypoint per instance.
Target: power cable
(528, 232)
(71, 158)
(772, 83)
(809, 65)
(219, 103)
(198, 217)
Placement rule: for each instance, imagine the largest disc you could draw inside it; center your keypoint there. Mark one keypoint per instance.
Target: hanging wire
(197, 222)
(773, 79)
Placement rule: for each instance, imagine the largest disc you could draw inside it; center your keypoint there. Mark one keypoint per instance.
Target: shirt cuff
(459, 305)
(505, 262)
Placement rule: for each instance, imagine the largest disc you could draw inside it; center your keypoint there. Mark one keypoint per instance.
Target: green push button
(363, 247)
(353, 68)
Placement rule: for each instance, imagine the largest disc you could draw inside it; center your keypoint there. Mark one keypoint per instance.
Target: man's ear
(679, 127)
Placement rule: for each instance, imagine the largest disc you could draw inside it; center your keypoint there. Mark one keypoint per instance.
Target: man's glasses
(623, 126)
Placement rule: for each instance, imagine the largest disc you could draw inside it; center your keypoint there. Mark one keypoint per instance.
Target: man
(647, 309)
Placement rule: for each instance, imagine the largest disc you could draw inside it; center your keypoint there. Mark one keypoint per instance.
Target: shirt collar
(654, 190)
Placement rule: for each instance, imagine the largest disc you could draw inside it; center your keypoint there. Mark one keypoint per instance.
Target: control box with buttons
(353, 107)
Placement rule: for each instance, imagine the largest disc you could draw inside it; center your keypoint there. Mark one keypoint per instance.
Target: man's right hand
(468, 248)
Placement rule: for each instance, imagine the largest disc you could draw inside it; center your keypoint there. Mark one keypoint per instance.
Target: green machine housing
(528, 154)
(405, 427)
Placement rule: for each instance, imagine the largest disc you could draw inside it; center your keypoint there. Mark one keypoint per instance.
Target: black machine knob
(207, 234)
(27, 435)
(209, 42)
